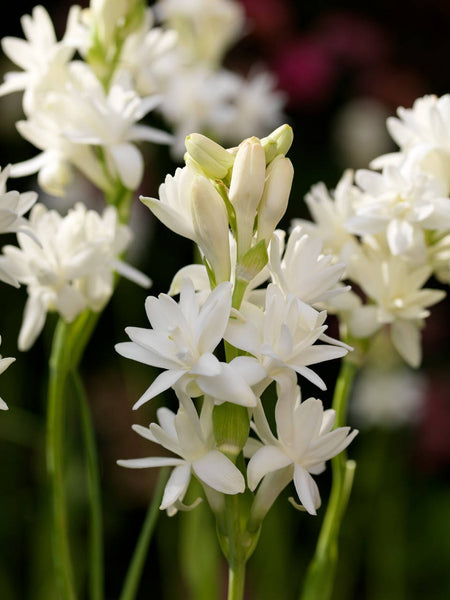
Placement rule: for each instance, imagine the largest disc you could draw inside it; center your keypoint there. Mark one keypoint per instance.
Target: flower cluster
(390, 224)
(84, 96)
(68, 264)
(249, 316)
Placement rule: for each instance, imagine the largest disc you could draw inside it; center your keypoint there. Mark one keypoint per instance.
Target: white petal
(217, 471)
(150, 461)
(33, 321)
(307, 489)
(406, 338)
(265, 460)
(163, 382)
(176, 486)
(129, 164)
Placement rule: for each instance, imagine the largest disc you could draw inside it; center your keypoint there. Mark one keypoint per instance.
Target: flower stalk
(320, 576)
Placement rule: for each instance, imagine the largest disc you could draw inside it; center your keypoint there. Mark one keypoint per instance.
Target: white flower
(305, 442)
(71, 268)
(191, 437)
(206, 97)
(4, 364)
(403, 203)
(41, 57)
(254, 107)
(330, 213)
(182, 341)
(282, 336)
(89, 116)
(13, 205)
(190, 205)
(302, 270)
(206, 27)
(388, 398)
(395, 288)
(150, 56)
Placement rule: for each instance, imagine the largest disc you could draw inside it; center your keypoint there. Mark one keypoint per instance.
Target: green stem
(137, 562)
(96, 572)
(55, 462)
(236, 551)
(321, 571)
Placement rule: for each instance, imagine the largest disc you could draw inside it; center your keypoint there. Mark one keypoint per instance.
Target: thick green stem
(96, 571)
(236, 548)
(59, 365)
(321, 571)
(133, 576)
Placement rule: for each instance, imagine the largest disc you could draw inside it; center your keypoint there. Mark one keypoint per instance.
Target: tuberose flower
(191, 437)
(70, 267)
(305, 441)
(182, 340)
(282, 336)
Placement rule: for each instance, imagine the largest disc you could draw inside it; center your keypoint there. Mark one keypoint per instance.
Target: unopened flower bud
(278, 142)
(246, 188)
(210, 220)
(275, 197)
(210, 157)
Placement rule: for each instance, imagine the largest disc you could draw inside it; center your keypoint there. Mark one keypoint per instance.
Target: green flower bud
(213, 160)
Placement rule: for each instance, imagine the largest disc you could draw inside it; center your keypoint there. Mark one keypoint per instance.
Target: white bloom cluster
(224, 103)
(68, 264)
(390, 224)
(264, 301)
(74, 115)
(84, 95)
(13, 207)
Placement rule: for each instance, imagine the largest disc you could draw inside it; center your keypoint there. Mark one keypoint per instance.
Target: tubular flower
(182, 340)
(191, 437)
(305, 442)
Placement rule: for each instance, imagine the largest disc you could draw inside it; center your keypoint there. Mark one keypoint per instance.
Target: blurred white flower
(330, 213)
(305, 442)
(191, 437)
(254, 106)
(395, 289)
(403, 203)
(150, 56)
(387, 398)
(71, 268)
(4, 364)
(182, 340)
(206, 28)
(301, 269)
(282, 336)
(13, 205)
(40, 56)
(359, 132)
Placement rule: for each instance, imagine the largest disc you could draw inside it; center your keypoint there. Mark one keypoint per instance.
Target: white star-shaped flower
(191, 437)
(182, 340)
(282, 336)
(305, 442)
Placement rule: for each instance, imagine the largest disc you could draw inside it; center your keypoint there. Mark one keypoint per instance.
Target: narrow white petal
(265, 460)
(217, 471)
(33, 321)
(150, 461)
(176, 486)
(163, 382)
(307, 489)
(407, 340)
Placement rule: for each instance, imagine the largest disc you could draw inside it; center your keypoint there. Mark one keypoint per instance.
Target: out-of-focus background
(344, 67)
